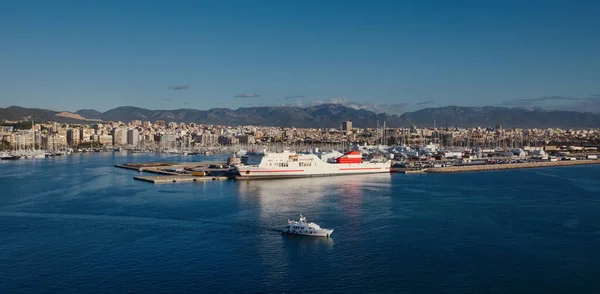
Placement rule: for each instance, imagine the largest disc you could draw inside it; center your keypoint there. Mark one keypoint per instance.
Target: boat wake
(16, 175)
(156, 223)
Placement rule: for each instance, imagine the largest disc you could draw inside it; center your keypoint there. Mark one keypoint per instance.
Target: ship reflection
(332, 202)
(290, 197)
(300, 243)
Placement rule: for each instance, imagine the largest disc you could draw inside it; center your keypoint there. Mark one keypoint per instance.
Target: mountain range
(323, 115)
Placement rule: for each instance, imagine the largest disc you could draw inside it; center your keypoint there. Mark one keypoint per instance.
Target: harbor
(113, 220)
(202, 171)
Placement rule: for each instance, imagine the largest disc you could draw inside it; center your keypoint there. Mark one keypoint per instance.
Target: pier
(169, 172)
(407, 170)
(178, 179)
(488, 167)
(171, 168)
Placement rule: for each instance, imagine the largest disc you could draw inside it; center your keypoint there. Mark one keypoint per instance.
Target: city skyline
(384, 57)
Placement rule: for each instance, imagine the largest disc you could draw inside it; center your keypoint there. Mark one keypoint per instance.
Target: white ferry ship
(286, 164)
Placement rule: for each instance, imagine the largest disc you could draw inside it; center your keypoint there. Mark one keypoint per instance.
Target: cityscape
(299, 146)
(178, 137)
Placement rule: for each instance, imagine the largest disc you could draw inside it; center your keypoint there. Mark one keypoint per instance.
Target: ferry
(303, 227)
(286, 164)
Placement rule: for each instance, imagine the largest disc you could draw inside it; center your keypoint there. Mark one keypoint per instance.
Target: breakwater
(487, 167)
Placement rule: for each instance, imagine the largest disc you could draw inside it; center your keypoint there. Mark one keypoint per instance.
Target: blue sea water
(77, 224)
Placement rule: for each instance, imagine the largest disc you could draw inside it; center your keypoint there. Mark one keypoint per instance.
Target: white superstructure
(291, 164)
(302, 227)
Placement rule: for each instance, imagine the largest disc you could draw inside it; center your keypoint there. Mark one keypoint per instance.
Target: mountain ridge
(325, 116)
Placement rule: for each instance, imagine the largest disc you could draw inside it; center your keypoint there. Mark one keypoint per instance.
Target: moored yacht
(303, 227)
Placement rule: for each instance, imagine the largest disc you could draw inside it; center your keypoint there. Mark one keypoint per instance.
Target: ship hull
(248, 173)
(288, 176)
(322, 233)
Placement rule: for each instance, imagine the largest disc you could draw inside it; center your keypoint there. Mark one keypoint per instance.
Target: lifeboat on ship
(350, 157)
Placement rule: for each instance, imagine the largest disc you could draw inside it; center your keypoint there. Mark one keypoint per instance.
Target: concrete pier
(177, 179)
(486, 167)
(407, 170)
(167, 168)
(179, 172)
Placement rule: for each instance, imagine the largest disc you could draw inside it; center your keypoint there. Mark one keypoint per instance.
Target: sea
(76, 224)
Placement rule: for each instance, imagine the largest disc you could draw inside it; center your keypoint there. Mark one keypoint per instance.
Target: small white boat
(303, 227)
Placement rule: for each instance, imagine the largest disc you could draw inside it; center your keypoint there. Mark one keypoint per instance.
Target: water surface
(77, 224)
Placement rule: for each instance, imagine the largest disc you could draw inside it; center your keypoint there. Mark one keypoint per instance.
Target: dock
(489, 167)
(170, 168)
(407, 170)
(169, 172)
(178, 179)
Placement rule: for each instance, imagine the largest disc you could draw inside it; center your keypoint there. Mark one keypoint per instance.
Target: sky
(384, 56)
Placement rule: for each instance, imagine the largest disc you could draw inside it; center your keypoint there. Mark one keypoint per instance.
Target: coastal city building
(163, 135)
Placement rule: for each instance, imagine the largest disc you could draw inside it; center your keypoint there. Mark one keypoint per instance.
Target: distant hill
(89, 113)
(326, 115)
(16, 113)
(490, 116)
(19, 113)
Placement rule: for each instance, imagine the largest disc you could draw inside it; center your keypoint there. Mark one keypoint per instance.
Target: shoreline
(492, 167)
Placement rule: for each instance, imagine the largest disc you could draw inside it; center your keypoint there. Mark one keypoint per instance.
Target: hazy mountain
(19, 113)
(329, 115)
(16, 113)
(89, 113)
(490, 116)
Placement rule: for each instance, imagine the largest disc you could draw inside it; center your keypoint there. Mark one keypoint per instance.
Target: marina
(177, 173)
(284, 164)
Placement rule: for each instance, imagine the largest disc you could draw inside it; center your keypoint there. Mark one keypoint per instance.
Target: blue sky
(391, 56)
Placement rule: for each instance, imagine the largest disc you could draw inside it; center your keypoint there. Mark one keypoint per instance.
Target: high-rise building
(119, 136)
(73, 137)
(347, 126)
(102, 139)
(132, 137)
(207, 139)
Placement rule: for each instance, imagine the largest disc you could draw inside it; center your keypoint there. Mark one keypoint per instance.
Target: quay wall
(470, 168)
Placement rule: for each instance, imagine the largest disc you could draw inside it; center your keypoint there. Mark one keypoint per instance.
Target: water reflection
(287, 195)
(321, 200)
(301, 243)
(342, 197)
